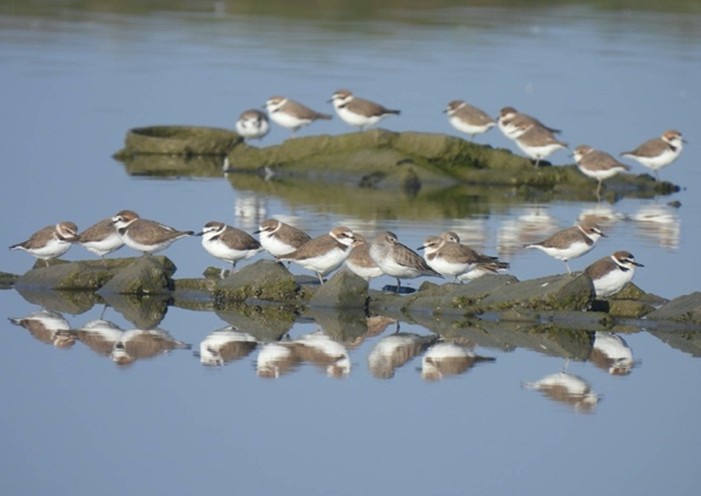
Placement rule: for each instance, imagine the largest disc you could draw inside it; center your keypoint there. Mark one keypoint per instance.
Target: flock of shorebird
(443, 255)
(534, 138)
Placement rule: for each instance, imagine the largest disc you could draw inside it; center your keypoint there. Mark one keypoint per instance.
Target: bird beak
(199, 233)
(637, 264)
(420, 248)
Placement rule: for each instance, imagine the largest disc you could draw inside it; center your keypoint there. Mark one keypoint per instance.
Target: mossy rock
(178, 140)
(343, 290)
(61, 275)
(560, 292)
(686, 308)
(142, 275)
(263, 280)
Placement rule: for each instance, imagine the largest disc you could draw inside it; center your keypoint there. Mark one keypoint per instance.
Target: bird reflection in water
(319, 349)
(445, 359)
(529, 227)
(395, 350)
(602, 215)
(48, 327)
(568, 389)
(225, 345)
(125, 347)
(660, 223)
(610, 352)
(277, 359)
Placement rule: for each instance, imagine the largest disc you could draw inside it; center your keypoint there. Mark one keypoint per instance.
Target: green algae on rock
(263, 280)
(143, 275)
(177, 140)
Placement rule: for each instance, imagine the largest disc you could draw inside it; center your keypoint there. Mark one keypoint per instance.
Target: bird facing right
(658, 153)
(323, 253)
(610, 274)
(597, 164)
(570, 243)
(397, 260)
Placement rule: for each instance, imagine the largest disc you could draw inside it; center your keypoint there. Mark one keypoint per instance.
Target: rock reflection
(659, 223)
(48, 327)
(225, 345)
(568, 389)
(125, 347)
(395, 350)
(446, 359)
(610, 352)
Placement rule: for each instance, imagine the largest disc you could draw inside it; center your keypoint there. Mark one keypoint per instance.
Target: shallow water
(76, 80)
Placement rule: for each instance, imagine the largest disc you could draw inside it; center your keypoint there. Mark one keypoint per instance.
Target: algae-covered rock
(263, 280)
(85, 275)
(178, 140)
(685, 308)
(343, 290)
(142, 275)
(559, 292)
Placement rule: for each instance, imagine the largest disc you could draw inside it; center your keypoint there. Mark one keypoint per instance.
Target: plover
(323, 253)
(611, 274)
(101, 238)
(513, 123)
(538, 142)
(253, 124)
(278, 238)
(359, 261)
(597, 164)
(570, 243)
(659, 152)
(397, 260)
(50, 242)
(228, 243)
(359, 112)
(291, 114)
(146, 236)
(468, 119)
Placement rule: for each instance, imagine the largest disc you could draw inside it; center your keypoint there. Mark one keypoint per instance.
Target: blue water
(74, 422)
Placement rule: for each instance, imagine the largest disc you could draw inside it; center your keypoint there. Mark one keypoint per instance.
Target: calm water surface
(74, 422)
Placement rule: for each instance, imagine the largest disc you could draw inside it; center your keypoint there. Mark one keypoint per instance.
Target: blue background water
(74, 80)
